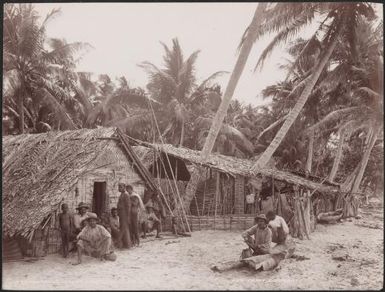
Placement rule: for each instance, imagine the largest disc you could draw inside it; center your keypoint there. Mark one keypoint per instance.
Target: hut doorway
(99, 198)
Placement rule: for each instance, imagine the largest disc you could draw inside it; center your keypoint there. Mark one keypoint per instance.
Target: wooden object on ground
(330, 217)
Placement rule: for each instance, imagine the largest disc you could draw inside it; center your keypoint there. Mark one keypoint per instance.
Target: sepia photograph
(193, 146)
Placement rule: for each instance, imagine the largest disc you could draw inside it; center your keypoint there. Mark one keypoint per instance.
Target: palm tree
(175, 87)
(343, 18)
(30, 70)
(363, 83)
(216, 125)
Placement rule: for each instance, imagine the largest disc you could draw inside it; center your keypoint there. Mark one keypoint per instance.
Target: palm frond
(286, 33)
(59, 110)
(207, 81)
(272, 126)
(204, 123)
(61, 50)
(334, 117)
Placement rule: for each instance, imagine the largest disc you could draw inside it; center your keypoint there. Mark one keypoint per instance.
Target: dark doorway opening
(99, 199)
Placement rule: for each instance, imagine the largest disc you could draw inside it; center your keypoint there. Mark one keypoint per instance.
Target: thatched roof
(230, 165)
(39, 170)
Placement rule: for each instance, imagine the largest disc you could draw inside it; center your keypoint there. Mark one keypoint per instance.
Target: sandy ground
(184, 263)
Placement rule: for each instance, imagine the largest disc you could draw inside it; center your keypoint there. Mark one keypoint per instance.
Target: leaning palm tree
(339, 24)
(222, 110)
(29, 69)
(362, 82)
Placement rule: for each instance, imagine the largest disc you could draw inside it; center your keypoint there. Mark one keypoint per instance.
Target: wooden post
(216, 196)
(204, 193)
(302, 211)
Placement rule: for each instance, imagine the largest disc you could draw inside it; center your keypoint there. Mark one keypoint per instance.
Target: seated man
(262, 236)
(94, 240)
(278, 226)
(153, 221)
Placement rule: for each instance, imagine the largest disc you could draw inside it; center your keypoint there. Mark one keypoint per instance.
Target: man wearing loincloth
(94, 240)
(261, 242)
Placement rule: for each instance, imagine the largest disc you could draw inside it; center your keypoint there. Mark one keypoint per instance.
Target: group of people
(97, 237)
(133, 215)
(268, 228)
(87, 235)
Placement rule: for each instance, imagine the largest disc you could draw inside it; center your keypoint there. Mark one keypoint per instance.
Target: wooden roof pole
(145, 174)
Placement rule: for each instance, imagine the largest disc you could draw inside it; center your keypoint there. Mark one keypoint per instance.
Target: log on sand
(330, 217)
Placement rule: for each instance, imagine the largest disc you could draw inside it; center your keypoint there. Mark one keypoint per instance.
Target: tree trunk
(309, 160)
(182, 135)
(338, 157)
(268, 153)
(372, 140)
(222, 110)
(20, 108)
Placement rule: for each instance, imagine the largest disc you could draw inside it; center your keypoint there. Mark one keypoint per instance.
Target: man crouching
(261, 242)
(94, 240)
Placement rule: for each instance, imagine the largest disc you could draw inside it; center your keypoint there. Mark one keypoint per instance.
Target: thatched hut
(42, 171)
(221, 196)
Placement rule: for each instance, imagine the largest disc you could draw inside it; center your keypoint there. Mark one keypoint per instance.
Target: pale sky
(126, 34)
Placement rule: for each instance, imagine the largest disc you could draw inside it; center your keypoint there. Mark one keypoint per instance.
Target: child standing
(65, 224)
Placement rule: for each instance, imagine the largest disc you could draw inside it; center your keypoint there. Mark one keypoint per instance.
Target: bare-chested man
(136, 207)
(124, 212)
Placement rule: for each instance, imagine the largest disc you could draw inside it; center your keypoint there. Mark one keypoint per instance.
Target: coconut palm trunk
(309, 161)
(268, 153)
(222, 110)
(338, 157)
(182, 133)
(373, 134)
(20, 107)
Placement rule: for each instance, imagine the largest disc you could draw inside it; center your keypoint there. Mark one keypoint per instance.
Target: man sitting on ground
(153, 221)
(261, 242)
(278, 226)
(94, 240)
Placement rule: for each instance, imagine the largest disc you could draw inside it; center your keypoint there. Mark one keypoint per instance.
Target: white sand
(184, 263)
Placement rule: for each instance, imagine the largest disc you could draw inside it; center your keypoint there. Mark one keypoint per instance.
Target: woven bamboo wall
(227, 223)
(239, 203)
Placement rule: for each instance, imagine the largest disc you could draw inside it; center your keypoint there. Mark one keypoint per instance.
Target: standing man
(279, 228)
(137, 206)
(66, 226)
(124, 212)
(250, 202)
(261, 242)
(80, 217)
(115, 228)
